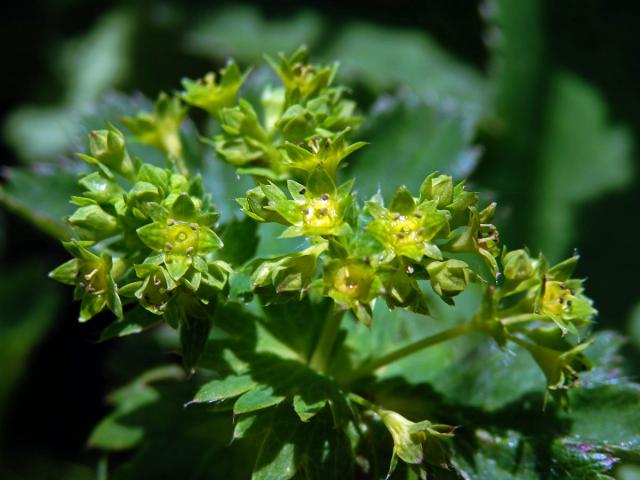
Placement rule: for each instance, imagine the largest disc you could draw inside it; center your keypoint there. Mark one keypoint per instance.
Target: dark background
(53, 409)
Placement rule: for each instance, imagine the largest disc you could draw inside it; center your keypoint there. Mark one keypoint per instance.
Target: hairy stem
(322, 354)
(410, 349)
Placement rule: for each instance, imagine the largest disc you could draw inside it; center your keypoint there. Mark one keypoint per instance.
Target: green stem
(525, 317)
(363, 402)
(322, 353)
(410, 349)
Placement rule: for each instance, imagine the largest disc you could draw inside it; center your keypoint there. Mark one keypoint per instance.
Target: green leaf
(23, 324)
(306, 409)
(406, 58)
(240, 241)
(234, 30)
(257, 399)
(580, 143)
(515, 38)
(607, 415)
(229, 387)
(194, 330)
(276, 458)
(113, 432)
(88, 66)
(41, 197)
(134, 321)
(412, 139)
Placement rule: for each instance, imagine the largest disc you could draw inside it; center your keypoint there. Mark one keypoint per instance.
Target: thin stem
(322, 353)
(403, 352)
(363, 402)
(525, 317)
(178, 161)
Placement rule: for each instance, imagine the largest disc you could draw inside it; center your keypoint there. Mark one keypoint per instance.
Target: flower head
(92, 276)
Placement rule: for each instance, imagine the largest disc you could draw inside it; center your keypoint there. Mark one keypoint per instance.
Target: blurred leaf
(240, 241)
(582, 158)
(114, 432)
(384, 58)
(628, 472)
(40, 192)
(515, 40)
(22, 323)
(241, 32)
(607, 415)
(94, 63)
(88, 66)
(40, 196)
(225, 185)
(501, 456)
(410, 139)
(634, 326)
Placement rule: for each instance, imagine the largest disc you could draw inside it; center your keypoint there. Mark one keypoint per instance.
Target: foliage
(341, 309)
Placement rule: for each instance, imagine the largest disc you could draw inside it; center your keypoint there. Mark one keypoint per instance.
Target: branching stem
(407, 350)
(320, 359)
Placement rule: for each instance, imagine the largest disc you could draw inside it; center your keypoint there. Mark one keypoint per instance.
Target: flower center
(406, 231)
(319, 213)
(182, 238)
(93, 278)
(353, 280)
(557, 298)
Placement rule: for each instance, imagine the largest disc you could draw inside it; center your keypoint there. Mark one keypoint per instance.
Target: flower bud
(438, 188)
(517, 265)
(451, 277)
(211, 96)
(296, 124)
(109, 149)
(92, 276)
(93, 223)
(416, 443)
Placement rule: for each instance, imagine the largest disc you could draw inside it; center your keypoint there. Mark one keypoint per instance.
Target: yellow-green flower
(408, 229)
(180, 237)
(92, 276)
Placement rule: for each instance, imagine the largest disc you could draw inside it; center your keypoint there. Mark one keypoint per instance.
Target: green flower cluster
(145, 234)
(281, 137)
(536, 306)
(372, 250)
(142, 233)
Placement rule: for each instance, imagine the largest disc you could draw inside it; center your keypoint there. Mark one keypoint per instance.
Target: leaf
(225, 185)
(240, 241)
(23, 324)
(266, 372)
(113, 432)
(88, 67)
(383, 58)
(515, 37)
(313, 450)
(306, 409)
(257, 399)
(233, 31)
(41, 197)
(276, 458)
(410, 139)
(580, 144)
(634, 326)
(229, 387)
(502, 456)
(134, 321)
(608, 416)
(194, 330)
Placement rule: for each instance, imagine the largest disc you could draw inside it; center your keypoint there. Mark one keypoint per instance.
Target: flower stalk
(395, 355)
